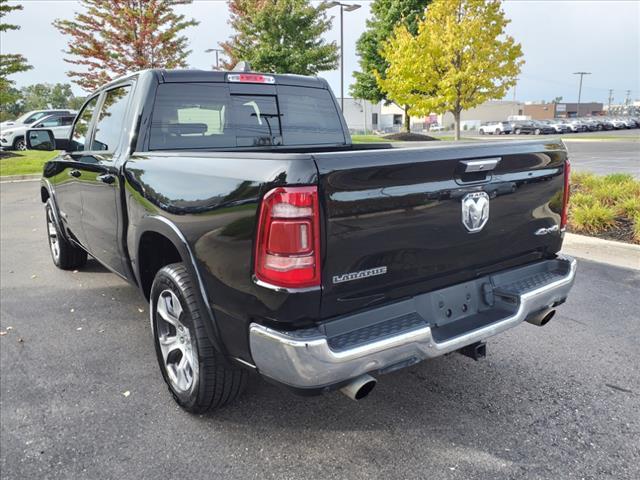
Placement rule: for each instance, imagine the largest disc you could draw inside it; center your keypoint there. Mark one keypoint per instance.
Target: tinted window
(208, 116)
(34, 117)
(50, 122)
(110, 120)
(309, 116)
(256, 120)
(192, 116)
(81, 128)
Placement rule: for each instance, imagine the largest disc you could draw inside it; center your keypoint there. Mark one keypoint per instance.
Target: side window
(81, 128)
(50, 122)
(110, 120)
(35, 117)
(66, 121)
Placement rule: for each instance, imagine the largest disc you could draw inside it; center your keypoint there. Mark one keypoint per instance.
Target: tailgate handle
(484, 165)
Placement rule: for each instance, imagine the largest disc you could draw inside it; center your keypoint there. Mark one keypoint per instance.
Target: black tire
(537, 131)
(214, 381)
(481, 132)
(498, 132)
(64, 254)
(518, 131)
(19, 144)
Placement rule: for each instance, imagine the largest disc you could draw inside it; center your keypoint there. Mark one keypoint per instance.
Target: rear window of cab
(208, 116)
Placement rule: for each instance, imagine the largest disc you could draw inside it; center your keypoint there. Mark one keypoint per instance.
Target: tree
(386, 16)
(460, 58)
(115, 37)
(280, 36)
(10, 63)
(45, 95)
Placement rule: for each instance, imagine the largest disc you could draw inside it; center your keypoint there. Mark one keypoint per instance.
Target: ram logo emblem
(475, 211)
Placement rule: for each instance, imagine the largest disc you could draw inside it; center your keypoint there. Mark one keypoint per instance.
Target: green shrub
(629, 207)
(580, 199)
(594, 218)
(618, 178)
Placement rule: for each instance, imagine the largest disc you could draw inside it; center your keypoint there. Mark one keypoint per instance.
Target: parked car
(13, 138)
(576, 125)
(495, 128)
(618, 123)
(31, 117)
(436, 128)
(530, 127)
(557, 125)
(266, 242)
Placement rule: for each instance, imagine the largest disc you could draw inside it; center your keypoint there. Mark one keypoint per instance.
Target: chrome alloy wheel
(177, 345)
(52, 232)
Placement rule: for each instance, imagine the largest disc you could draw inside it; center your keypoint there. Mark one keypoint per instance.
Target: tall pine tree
(114, 37)
(386, 15)
(10, 63)
(280, 36)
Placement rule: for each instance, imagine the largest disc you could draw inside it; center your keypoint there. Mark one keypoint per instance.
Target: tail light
(288, 241)
(565, 195)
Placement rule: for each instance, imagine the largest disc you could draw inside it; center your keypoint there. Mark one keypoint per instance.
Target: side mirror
(41, 139)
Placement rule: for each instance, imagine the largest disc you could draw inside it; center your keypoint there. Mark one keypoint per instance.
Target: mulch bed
(410, 137)
(622, 231)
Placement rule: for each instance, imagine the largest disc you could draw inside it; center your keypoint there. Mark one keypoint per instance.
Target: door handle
(75, 173)
(106, 178)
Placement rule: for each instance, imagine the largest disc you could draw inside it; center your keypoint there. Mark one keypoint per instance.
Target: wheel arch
(159, 242)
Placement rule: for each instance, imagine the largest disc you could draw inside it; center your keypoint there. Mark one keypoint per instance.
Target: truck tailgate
(403, 221)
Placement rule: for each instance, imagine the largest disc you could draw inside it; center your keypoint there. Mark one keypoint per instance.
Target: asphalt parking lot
(556, 402)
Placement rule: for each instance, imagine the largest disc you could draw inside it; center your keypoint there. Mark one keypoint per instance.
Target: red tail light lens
(288, 241)
(566, 194)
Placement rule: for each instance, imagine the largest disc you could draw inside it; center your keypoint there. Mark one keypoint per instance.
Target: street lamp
(349, 7)
(217, 50)
(582, 74)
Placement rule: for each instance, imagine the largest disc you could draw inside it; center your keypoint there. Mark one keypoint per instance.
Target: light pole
(582, 74)
(217, 50)
(349, 7)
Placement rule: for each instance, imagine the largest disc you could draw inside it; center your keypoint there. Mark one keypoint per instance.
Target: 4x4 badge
(475, 211)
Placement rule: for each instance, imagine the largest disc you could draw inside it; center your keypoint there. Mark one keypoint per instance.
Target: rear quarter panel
(213, 200)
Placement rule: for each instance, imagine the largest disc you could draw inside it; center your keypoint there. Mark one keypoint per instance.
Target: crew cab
(266, 242)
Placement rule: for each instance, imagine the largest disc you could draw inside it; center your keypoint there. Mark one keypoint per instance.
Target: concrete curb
(625, 255)
(20, 178)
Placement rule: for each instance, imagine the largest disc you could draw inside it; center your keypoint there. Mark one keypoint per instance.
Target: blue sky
(558, 38)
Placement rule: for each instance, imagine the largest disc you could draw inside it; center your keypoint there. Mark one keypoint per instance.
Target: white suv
(13, 138)
(495, 128)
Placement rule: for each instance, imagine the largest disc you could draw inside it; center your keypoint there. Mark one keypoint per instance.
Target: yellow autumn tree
(460, 58)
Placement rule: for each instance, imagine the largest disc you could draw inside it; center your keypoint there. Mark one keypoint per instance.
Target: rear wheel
(481, 132)
(198, 376)
(537, 131)
(498, 132)
(64, 254)
(518, 131)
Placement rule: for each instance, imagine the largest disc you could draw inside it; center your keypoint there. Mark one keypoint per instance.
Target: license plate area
(450, 304)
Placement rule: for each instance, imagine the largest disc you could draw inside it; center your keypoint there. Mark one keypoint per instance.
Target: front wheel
(481, 132)
(537, 131)
(198, 376)
(19, 144)
(518, 131)
(64, 254)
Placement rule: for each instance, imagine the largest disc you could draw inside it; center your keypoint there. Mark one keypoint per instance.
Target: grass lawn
(369, 139)
(24, 163)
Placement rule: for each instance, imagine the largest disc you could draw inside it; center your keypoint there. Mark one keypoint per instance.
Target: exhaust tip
(541, 318)
(359, 387)
(547, 317)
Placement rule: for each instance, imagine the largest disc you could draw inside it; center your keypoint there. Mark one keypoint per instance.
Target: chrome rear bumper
(308, 359)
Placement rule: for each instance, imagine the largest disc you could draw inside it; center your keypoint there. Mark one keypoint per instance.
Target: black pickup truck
(265, 241)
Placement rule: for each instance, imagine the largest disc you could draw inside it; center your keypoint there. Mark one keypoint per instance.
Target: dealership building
(543, 111)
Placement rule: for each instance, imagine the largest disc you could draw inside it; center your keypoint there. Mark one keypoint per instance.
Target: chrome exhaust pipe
(542, 317)
(359, 387)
